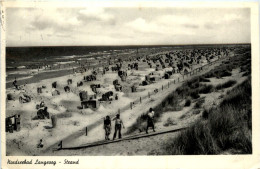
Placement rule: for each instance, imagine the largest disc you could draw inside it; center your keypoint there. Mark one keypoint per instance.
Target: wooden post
(162, 87)
(178, 79)
(86, 131)
(140, 99)
(60, 145)
(131, 106)
(54, 121)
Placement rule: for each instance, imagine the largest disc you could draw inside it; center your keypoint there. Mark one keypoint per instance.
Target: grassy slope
(225, 129)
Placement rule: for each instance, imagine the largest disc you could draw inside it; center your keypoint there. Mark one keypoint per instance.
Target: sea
(32, 64)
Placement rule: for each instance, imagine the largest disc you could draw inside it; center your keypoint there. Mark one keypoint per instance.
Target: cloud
(173, 19)
(53, 21)
(143, 26)
(97, 14)
(120, 26)
(193, 26)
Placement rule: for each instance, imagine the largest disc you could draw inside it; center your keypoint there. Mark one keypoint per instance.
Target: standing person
(150, 122)
(15, 83)
(118, 126)
(107, 127)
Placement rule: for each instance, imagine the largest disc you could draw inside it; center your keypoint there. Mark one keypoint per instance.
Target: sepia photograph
(127, 81)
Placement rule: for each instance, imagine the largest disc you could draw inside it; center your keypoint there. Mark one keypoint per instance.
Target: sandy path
(143, 146)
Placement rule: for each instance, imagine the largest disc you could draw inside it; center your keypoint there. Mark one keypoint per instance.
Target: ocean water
(27, 63)
(24, 56)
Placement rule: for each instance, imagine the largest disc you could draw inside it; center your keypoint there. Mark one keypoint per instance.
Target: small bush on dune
(182, 116)
(172, 98)
(199, 103)
(209, 74)
(243, 68)
(187, 103)
(222, 73)
(226, 84)
(206, 89)
(196, 112)
(194, 95)
(143, 117)
(205, 114)
(169, 122)
(183, 90)
(226, 62)
(193, 83)
(172, 108)
(219, 72)
(172, 103)
(247, 73)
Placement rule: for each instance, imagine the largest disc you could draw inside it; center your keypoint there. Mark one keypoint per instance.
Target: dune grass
(226, 84)
(224, 129)
(219, 73)
(199, 103)
(171, 103)
(192, 90)
(204, 89)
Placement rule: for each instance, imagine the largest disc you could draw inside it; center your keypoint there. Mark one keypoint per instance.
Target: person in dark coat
(15, 84)
(107, 127)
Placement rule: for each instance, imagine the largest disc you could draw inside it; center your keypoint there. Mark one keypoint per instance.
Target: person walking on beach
(150, 121)
(107, 127)
(15, 83)
(118, 126)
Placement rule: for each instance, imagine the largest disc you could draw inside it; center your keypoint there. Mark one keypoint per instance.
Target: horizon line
(137, 45)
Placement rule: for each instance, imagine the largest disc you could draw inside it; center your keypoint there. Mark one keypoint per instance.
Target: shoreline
(41, 76)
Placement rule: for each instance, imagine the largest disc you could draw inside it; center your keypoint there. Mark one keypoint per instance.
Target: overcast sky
(126, 26)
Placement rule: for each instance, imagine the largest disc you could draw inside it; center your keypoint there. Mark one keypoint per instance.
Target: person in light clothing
(150, 120)
(118, 126)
